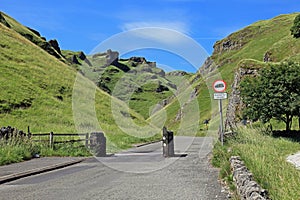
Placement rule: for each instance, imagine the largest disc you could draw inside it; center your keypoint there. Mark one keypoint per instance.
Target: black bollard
(168, 143)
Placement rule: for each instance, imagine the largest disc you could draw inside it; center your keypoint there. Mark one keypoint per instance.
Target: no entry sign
(219, 86)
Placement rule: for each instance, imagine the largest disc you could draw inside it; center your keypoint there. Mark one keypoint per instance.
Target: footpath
(35, 166)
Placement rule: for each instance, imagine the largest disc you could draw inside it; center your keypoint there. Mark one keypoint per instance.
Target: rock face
(81, 55)
(247, 188)
(161, 88)
(74, 60)
(34, 31)
(208, 67)
(177, 73)
(235, 103)
(227, 45)
(267, 57)
(55, 45)
(3, 21)
(112, 57)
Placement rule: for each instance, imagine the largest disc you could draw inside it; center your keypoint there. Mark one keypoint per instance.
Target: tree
(273, 94)
(295, 29)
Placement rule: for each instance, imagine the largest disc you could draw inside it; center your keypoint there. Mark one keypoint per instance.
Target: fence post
(51, 139)
(87, 140)
(28, 132)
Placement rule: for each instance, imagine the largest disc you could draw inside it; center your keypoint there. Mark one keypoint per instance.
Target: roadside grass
(21, 149)
(12, 151)
(265, 156)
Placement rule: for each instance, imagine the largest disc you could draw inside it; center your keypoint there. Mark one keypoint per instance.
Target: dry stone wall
(247, 188)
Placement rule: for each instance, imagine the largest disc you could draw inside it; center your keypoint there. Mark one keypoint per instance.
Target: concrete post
(98, 144)
(51, 140)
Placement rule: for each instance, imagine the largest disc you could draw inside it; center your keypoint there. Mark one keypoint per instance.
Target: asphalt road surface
(139, 173)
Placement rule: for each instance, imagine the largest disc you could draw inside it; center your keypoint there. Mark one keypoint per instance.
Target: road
(139, 173)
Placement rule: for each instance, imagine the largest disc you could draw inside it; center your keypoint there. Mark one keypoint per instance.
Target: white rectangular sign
(220, 95)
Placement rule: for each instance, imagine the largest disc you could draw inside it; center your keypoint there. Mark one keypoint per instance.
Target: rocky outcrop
(112, 57)
(235, 103)
(48, 47)
(81, 56)
(3, 21)
(141, 60)
(247, 188)
(34, 31)
(74, 60)
(227, 45)
(55, 45)
(161, 88)
(207, 67)
(177, 73)
(267, 57)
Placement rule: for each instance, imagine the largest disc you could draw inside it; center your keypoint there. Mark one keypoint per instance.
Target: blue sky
(83, 25)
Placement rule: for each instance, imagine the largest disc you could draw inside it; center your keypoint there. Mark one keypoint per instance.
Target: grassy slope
(141, 76)
(268, 35)
(264, 36)
(264, 155)
(36, 91)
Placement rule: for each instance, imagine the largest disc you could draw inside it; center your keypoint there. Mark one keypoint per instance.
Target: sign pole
(219, 87)
(221, 122)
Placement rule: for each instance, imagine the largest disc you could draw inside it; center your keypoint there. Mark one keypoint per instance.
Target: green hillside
(36, 90)
(270, 39)
(37, 85)
(135, 80)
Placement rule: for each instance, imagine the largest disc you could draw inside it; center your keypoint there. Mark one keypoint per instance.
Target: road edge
(16, 176)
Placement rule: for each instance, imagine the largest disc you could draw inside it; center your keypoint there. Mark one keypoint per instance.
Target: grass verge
(17, 150)
(265, 156)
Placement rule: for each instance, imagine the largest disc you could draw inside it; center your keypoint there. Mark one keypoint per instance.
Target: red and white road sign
(219, 86)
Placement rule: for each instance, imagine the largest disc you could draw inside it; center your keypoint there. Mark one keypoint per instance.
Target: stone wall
(235, 103)
(247, 188)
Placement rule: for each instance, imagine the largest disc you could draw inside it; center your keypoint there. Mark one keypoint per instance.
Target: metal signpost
(219, 87)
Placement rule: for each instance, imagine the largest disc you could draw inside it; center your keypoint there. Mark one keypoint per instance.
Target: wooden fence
(52, 136)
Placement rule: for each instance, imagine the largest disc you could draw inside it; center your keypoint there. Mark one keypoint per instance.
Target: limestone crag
(55, 45)
(177, 73)
(208, 67)
(235, 103)
(3, 21)
(227, 45)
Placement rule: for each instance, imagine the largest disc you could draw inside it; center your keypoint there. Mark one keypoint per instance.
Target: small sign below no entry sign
(219, 86)
(220, 95)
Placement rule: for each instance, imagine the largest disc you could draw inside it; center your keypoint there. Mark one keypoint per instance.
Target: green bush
(295, 30)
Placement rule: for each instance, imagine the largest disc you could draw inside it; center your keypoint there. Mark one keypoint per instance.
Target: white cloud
(163, 32)
(176, 26)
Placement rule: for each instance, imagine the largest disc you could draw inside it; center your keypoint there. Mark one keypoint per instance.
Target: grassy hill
(253, 47)
(36, 90)
(135, 80)
(267, 39)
